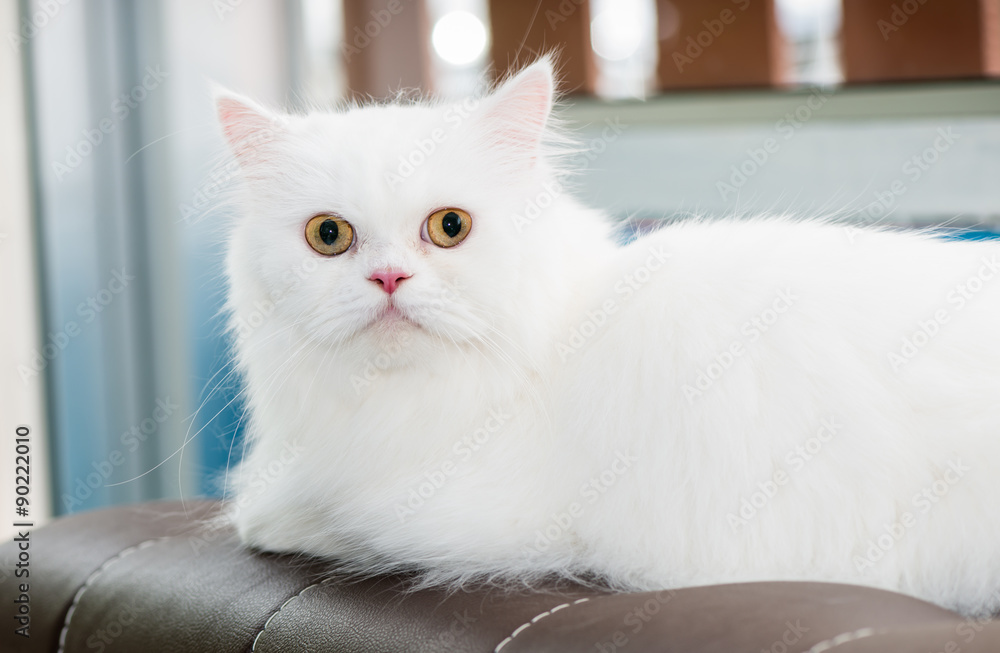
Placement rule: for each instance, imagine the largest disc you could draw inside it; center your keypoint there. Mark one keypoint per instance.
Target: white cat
(450, 366)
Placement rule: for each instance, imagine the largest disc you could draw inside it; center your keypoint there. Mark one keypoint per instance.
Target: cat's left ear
(249, 129)
(517, 112)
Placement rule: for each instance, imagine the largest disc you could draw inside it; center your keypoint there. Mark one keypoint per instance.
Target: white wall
(675, 154)
(20, 402)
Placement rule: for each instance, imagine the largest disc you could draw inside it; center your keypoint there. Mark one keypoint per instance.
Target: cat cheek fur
(571, 407)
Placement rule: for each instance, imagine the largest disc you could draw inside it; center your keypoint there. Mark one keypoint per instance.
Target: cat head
(377, 224)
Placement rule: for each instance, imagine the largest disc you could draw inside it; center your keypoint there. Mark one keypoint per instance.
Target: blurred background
(110, 242)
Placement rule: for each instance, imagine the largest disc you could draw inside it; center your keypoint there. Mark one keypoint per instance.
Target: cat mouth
(392, 314)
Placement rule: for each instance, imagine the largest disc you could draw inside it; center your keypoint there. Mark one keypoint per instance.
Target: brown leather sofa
(157, 577)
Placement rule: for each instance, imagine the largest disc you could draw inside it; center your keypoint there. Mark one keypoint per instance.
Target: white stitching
(520, 629)
(275, 613)
(93, 576)
(843, 638)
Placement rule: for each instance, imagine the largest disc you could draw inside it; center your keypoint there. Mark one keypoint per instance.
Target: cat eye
(447, 227)
(329, 235)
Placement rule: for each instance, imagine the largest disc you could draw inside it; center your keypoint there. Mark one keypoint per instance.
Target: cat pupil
(328, 232)
(451, 224)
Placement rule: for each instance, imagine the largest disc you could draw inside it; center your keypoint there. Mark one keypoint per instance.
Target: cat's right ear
(249, 128)
(518, 111)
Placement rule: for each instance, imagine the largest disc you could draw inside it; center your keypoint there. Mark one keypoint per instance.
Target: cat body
(718, 401)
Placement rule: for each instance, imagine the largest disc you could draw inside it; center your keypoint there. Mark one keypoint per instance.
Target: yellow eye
(447, 227)
(329, 235)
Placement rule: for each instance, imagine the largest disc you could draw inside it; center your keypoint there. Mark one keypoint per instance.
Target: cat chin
(391, 344)
(391, 321)
(399, 330)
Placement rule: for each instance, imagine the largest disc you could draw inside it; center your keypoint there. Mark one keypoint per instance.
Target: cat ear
(248, 127)
(517, 112)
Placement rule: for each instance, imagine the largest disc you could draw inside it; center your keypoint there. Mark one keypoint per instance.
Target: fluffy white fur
(716, 402)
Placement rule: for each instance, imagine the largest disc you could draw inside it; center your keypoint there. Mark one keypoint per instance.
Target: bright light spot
(615, 34)
(805, 19)
(459, 38)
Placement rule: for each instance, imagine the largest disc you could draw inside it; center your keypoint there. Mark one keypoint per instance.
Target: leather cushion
(162, 577)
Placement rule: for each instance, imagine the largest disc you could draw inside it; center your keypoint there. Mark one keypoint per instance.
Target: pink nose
(389, 280)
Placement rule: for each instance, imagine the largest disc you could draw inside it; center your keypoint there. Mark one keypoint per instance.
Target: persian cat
(451, 366)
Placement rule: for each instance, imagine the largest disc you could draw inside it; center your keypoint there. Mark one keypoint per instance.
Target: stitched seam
(93, 577)
(528, 624)
(276, 612)
(844, 638)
